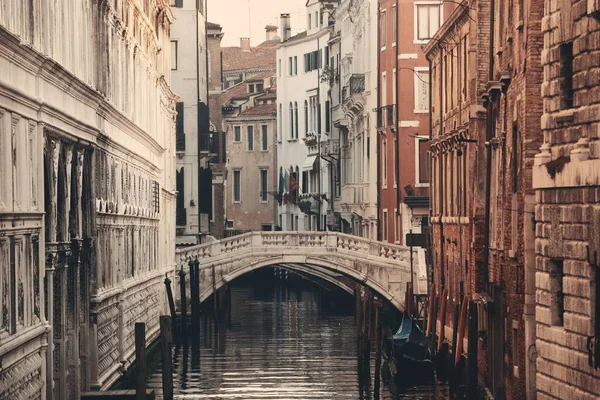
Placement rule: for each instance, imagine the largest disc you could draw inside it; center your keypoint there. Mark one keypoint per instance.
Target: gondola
(411, 354)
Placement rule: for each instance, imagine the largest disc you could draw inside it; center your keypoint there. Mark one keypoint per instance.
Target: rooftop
(261, 56)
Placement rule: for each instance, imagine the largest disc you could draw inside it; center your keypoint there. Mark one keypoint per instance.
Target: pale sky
(234, 17)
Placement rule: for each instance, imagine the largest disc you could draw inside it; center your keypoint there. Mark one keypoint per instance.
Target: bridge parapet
(383, 266)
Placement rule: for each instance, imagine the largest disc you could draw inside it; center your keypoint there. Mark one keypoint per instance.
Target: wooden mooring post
(196, 299)
(171, 305)
(183, 304)
(140, 361)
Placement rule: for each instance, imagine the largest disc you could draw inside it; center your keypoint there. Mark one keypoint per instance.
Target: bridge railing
(294, 239)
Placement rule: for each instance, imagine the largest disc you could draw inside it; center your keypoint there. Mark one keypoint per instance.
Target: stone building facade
(566, 179)
(251, 189)
(86, 189)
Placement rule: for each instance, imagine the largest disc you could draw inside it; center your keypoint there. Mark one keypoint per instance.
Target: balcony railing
(330, 147)
(357, 83)
(386, 116)
(209, 143)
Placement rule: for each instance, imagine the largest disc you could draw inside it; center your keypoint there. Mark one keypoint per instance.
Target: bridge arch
(383, 267)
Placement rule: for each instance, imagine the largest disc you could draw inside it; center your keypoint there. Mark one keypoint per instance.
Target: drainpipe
(378, 109)
(319, 134)
(440, 184)
(529, 307)
(430, 277)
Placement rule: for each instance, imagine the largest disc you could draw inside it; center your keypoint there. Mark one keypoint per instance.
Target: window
(263, 185)
(173, 55)
(394, 25)
(566, 75)
(251, 88)
(291, 121)
(557, 306)
(394, 151)
(383, 27)
(428, 18)
(515, 157)
(422, 161)
(295, 65)
(237, 134)
(265, 137)
(327, 117)
(309, 21)
(421, 90)
(279, 67)
(260, 87)
(290, 66)
(394, 86)
(384, 101)
(280, 121)
(305, 118)
(384, 163)
(180, 131)
(385, 225)
(250, 132)
(316, 19)
(237, 188)
(296, 120)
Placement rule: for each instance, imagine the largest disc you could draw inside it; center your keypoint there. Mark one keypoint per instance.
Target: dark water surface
(279, 343)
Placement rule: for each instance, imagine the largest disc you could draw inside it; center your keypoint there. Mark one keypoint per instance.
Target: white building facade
(355, 97)
(304, 123)
(189, 83)
(87, 179)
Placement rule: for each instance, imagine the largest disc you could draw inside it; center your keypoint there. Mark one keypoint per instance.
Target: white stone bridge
(383, 267)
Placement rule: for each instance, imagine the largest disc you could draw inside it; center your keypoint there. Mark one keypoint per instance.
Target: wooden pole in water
(357, 297)
(166, 338)
(140, 361)
(214, 283)
(183, 304)
(472, 351)
(430, 315)
(171, 305)
(192, 291)
(378, 329)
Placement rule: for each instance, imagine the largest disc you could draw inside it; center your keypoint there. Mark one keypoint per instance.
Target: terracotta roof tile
(263, 109)
(261, 56)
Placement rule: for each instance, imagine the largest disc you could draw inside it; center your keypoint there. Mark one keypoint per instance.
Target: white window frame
(397, 227)
(383, 90)
(386, 231)
(233, 200)
(384, 175)
(260, 184)
(417, 174)
(240, 128)
(176, 66)
(394, 25)
(384, 29)
(248, 135)
(416, 18)
(264, 146)
(417, 82)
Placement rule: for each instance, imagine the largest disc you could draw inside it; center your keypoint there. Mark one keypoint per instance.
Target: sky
(235, 16)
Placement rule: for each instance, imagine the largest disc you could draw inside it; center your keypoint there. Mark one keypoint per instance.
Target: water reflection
(277, 344)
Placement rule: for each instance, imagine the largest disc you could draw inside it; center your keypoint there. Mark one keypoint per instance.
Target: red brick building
(403, 117)
(486, 80)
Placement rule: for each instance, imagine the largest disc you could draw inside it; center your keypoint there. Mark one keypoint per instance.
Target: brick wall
(567, 178)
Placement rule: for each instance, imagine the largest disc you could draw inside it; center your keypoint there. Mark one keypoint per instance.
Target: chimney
(271, 32)
(286, 29)
(245, 44)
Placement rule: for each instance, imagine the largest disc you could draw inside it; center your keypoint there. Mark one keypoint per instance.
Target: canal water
(281, 341)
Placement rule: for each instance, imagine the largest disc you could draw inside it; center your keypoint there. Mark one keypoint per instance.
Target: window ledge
(383, 48)
(421, 184)
(292, 140)
(420, 111)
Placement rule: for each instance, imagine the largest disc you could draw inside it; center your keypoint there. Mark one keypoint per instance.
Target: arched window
(305, 118)
(291, 121)
(296, 120)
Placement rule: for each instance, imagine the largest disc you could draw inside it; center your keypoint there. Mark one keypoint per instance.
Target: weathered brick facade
(566, 177)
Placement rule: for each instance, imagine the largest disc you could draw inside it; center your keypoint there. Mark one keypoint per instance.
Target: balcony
(386, 117)
(309, 203)
(330, 150)
(209, 144)
(357, 83)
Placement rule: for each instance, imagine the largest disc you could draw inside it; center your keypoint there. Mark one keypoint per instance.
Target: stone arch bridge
(383, 267)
